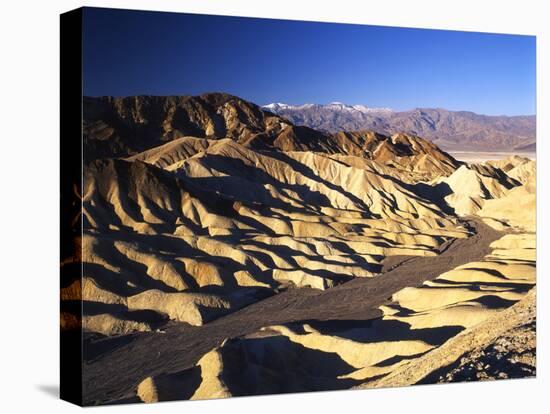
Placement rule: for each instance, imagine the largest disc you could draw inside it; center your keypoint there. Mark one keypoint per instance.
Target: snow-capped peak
(338, 106)
(363, 108)
(277, 105)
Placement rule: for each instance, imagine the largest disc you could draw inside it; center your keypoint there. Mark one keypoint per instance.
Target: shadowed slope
(356, 300)
(414, 325)
(118, 127)
(223, 226)
(115, 127)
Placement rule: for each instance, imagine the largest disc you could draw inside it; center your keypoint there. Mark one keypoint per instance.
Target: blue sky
(264, 61)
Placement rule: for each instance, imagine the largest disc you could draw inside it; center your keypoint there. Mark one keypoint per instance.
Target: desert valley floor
(227, 252)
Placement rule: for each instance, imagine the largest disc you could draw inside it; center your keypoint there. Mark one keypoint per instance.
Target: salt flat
(475, 156)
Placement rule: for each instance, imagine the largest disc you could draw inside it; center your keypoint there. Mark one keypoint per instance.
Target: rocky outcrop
(119, 127)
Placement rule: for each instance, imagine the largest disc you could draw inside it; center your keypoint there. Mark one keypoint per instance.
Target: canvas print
(258, 206)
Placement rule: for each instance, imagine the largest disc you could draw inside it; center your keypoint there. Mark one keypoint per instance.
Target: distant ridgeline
(121, 127)
(118, 127)
(451, 130)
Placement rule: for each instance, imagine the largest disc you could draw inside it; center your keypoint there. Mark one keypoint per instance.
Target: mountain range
(120, 127)
(450, 130)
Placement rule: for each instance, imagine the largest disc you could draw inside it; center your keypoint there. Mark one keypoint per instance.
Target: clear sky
(264, 61)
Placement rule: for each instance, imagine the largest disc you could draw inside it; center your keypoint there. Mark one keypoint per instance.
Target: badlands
(227, 252)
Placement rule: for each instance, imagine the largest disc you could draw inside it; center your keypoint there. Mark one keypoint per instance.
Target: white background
(29, 199)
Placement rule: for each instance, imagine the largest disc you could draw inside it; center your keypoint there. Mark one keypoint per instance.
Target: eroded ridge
(422, 329)
(228, 226)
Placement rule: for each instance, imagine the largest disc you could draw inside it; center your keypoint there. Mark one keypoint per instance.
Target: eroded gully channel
(114, 374)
